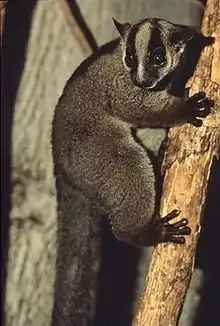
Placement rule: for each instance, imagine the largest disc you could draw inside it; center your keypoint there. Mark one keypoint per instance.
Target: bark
(188, 161)
(2, 16)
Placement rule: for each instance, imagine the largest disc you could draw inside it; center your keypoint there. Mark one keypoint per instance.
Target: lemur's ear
(121, 28)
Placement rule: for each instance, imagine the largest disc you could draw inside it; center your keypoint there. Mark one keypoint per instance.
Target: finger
(198, 96)
(170, 216)
(181, 223)
(174, 239)
(196, 122)
(205, 103)
(203, 113)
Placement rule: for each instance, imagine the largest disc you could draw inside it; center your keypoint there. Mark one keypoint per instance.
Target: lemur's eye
(130, 59)
(158, 57)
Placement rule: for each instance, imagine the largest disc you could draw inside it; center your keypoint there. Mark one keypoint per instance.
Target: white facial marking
(140, 72)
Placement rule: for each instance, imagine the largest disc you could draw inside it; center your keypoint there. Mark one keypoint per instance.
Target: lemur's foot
(172, 232)
(200, 106)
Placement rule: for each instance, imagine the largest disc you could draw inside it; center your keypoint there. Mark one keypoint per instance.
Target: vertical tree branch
(2, 15)
(187, 165)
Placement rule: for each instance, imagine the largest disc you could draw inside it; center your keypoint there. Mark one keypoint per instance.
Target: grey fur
(101, 170)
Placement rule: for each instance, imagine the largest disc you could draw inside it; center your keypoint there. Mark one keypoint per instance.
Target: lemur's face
(153, 49)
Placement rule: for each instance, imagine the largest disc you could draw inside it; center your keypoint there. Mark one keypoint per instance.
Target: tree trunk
(2, 16)
(187, 166)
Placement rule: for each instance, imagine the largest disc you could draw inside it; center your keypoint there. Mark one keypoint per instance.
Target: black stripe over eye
(130, 59)
(158, 57)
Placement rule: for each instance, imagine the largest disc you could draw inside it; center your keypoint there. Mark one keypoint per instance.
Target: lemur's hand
(199, 106)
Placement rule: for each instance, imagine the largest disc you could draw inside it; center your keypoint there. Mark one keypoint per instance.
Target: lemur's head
(153, 49)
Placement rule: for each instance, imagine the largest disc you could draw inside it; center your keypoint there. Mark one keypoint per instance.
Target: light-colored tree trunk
(2, 16)
(187, 164)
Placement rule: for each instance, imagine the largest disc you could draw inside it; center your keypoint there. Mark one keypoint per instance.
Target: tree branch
(187, 166)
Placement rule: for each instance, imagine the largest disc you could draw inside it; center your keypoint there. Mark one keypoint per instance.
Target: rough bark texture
(2, 16)
(187, 165)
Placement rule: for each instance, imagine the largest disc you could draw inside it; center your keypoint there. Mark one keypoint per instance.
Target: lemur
(101, 170)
